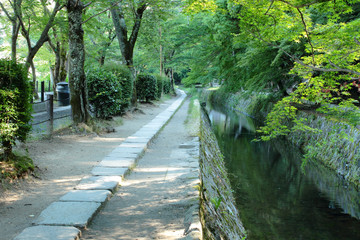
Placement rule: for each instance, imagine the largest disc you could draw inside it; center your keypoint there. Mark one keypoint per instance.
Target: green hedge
(159, 83)
(146, 87)
(164, 82)
(160, 80)
(125, 78)
(15, 107)
(104, 92)
(167, 86)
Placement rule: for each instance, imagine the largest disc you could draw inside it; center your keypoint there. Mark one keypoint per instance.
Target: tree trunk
(133, 74)
(77, 79)
(59, 71)
(172, 80)
(14, 37)
(30, 64)
(56, 69)
(127, 44)
(63, 64)
(105, 48)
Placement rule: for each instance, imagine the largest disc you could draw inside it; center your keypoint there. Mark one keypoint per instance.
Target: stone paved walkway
(67, 218)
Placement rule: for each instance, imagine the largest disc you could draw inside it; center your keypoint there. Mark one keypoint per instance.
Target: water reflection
(275, 199)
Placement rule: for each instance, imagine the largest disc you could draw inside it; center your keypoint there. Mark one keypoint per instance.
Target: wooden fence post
(50, 110)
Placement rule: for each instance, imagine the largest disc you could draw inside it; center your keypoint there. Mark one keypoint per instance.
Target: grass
(192, 121)
(16, 167)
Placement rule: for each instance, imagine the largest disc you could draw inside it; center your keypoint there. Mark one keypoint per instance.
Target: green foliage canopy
(308, 47)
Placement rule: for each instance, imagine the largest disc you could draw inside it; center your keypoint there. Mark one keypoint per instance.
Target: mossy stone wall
(219, 216)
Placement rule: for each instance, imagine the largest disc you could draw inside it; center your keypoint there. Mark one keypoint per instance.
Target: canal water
(275, 198)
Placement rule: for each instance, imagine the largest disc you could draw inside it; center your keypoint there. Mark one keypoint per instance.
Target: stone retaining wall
(219, 216)
(337, 146)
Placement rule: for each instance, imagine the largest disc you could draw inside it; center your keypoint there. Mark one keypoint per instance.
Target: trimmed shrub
(160, 84)
(15, 107)
(146, 87)
(104, 92)
(125, 78)
(166, 85)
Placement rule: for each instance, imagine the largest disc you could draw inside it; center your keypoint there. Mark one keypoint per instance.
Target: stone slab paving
(63, 219)
(149, 132)
(118, 153)
(100, 196)
(108, 171)
(153, 125)
(134, 142)
(143, 134)
(126, 144)
(138, 139)
(49, 232)
(99, 183)
(77, 214)
(123, 150)
(117, 162)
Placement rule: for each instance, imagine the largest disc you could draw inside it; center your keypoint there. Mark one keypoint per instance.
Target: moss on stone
(219, 215)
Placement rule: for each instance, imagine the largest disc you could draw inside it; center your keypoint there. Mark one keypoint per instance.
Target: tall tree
(16, 5)
(77, 78)
(57, 42)
(127, 43)
(59, 46)
(25, 30)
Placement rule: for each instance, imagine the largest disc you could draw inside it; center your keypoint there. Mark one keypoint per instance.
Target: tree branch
(43, 37)
(11, 4)
(336, 69)
(52, 46)
(135, 31)
(121, 31)
(297, 60)
(356, 41)
(105, 10)
(307, 35)
(272, 2)
(304, 4)
(88, 4)
(46, 10)
(12, 19)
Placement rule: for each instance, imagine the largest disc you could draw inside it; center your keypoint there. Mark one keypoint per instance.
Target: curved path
(156, 201)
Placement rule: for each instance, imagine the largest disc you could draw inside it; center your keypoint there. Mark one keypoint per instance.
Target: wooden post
(42, 91)
(50, 110)
(49, 89)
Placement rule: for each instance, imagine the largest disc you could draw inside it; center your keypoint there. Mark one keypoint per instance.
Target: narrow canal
(275, 199)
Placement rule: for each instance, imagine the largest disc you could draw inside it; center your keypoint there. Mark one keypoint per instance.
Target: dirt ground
(61, 162)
